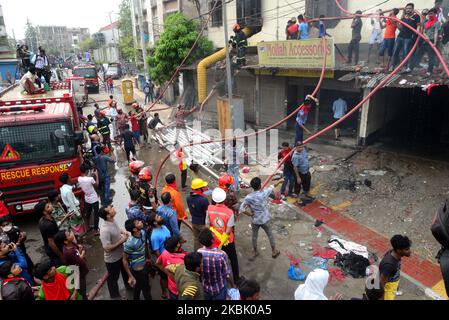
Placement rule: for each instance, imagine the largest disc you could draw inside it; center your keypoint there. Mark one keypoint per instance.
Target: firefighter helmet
(102, 113)
(198, 184)
(136, 106)
(236, 27)
(145, 174)
(225, 181)
(91, 129)
(219, 195)
(136, 166)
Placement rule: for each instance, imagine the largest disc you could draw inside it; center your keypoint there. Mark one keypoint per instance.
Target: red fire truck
(40, 138)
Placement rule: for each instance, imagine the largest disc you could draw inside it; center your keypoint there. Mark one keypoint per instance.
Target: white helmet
(219, 195)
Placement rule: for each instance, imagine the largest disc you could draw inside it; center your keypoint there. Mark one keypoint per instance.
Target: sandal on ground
(276, 254)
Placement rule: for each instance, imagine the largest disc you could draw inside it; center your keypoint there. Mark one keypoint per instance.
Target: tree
(88, 44)
(127, 45)
(31, 37)
(175, 42)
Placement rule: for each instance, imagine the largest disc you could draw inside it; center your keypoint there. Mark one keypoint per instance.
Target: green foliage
(127, 47)
(175, 42)
(31, 37)
(88, 44)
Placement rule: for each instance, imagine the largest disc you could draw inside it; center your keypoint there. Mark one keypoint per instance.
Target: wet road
(290, 228)
(152, 155)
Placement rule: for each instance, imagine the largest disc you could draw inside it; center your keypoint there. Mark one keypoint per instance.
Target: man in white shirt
(91, 199)
(339, 108)
(67, 195)
(376, 35)
(28, 82)
(42, 65)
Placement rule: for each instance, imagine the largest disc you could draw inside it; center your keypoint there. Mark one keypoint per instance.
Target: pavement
(294, 230)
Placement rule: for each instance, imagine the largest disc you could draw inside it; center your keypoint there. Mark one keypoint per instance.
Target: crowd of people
(151, 242)
(390, 38)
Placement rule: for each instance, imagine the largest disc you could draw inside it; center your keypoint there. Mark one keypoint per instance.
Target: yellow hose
(207, 62)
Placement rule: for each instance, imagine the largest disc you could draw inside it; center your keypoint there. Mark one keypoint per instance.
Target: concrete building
(272, 16)
(155, 13)
(272, 92)
(78, 35)
(61, 39)
(109, 50)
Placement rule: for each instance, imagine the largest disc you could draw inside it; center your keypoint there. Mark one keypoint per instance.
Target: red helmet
(102, 113)
(225, 181)
(145, 174)
(136, 106)
(136, 166)
(236, 27)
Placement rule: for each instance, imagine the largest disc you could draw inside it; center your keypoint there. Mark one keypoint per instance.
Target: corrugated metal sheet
(397, 81)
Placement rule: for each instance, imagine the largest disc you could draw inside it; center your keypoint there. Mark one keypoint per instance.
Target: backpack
(440, 225)
(352, 264)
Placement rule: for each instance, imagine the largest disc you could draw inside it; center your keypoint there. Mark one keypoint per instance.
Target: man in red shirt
(220, 219)
(110, 82)
(172, 255)
(389, 37)
(135, 128)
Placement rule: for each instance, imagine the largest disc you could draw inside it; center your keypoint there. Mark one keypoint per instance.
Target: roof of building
(418, 78)
(111, 26)
(365, 76)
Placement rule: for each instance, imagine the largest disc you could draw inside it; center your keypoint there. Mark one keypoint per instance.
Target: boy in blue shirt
(300, 160)
(159, 234)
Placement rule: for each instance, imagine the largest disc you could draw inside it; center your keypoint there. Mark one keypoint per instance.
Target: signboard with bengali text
(301, 54)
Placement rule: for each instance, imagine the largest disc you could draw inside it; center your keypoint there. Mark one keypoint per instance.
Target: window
(44, 142)
(249, 13)
(315, 8)
(217, 15)
(85, 72)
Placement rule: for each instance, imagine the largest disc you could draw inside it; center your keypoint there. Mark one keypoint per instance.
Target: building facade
(271, 93)
(108, 38)
(154, 14)
(61, 39)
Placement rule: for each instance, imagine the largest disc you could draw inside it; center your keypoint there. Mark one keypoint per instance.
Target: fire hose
(407, 58)
(368, 97)
(381, 84)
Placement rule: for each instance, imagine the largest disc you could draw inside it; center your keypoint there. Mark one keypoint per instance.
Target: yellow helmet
(91, 129)
(198, 184)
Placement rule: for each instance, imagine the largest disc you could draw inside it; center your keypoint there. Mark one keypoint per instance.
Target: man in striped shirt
(215, 269)
(135, 256)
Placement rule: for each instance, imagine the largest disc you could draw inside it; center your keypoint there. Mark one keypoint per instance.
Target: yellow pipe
(207, 62)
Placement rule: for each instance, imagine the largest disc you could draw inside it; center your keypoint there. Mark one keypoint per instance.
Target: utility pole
(228, 62)
(142, 40)
(277, 21)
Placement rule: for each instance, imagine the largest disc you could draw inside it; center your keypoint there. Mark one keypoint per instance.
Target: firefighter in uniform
(225, 182)
(220, 219)
(103, 128)
(239, 43)
(133, 180)
(148, 194)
